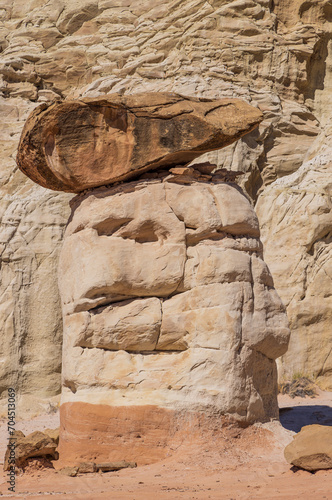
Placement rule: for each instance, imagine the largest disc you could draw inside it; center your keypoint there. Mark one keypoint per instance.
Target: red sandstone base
(143, 434)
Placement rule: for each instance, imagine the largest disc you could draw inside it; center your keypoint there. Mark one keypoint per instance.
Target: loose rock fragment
(69, 471)
(36, 444)
(53, 434)
(113, 466)
(311, 448)
(87, 467)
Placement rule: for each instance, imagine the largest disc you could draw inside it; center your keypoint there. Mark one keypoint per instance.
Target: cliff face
(295, 213)
(275, 55)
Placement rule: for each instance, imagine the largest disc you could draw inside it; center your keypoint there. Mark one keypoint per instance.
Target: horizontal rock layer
(143, 434)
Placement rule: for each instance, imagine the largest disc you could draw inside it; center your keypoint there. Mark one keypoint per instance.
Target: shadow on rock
(294, 418)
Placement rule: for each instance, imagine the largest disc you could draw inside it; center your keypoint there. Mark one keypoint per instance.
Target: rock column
(171, 321)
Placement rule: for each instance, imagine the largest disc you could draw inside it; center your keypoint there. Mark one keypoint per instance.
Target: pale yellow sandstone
(298, 209)
(151, 318)
(132, 325)
(274, 55)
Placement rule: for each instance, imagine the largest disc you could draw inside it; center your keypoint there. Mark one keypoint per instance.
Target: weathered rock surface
(87, 143)
(165, 310)
(113, 466)
(87, 467)
(276, 55)
(53, 434)
(69, 471)
(32, 225)
(36, 444)
(32, 222)
(311, 448)
(303, 202)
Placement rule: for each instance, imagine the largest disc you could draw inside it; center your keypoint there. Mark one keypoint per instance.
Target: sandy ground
(248, 465)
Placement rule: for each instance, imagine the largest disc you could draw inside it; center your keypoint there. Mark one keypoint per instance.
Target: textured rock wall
(32, 224)
(276, 55)
(296, 210)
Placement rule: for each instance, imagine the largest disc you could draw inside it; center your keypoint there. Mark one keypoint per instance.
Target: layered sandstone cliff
(276, 55)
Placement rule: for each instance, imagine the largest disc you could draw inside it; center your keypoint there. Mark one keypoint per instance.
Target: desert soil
(246, 464)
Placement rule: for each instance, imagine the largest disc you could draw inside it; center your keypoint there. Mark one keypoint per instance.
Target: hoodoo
(171, 320)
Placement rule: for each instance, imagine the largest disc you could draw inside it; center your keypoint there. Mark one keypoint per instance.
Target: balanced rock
(75, 145)
(311, 448)
(169, 314)
(171, 321)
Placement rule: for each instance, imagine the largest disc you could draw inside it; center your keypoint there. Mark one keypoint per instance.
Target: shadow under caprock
(294, 418)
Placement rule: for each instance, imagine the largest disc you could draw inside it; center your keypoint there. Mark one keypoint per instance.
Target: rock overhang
(80, 144)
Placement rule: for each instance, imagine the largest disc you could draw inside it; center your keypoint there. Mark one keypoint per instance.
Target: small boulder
(20, 448)
(87, 467)
(311, 448)
(69, 471)
(113, 466)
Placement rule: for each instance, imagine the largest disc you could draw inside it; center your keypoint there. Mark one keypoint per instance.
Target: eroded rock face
(32, 223)
(277, 55)
(77, 145)
(168, 306)
(303, 202)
